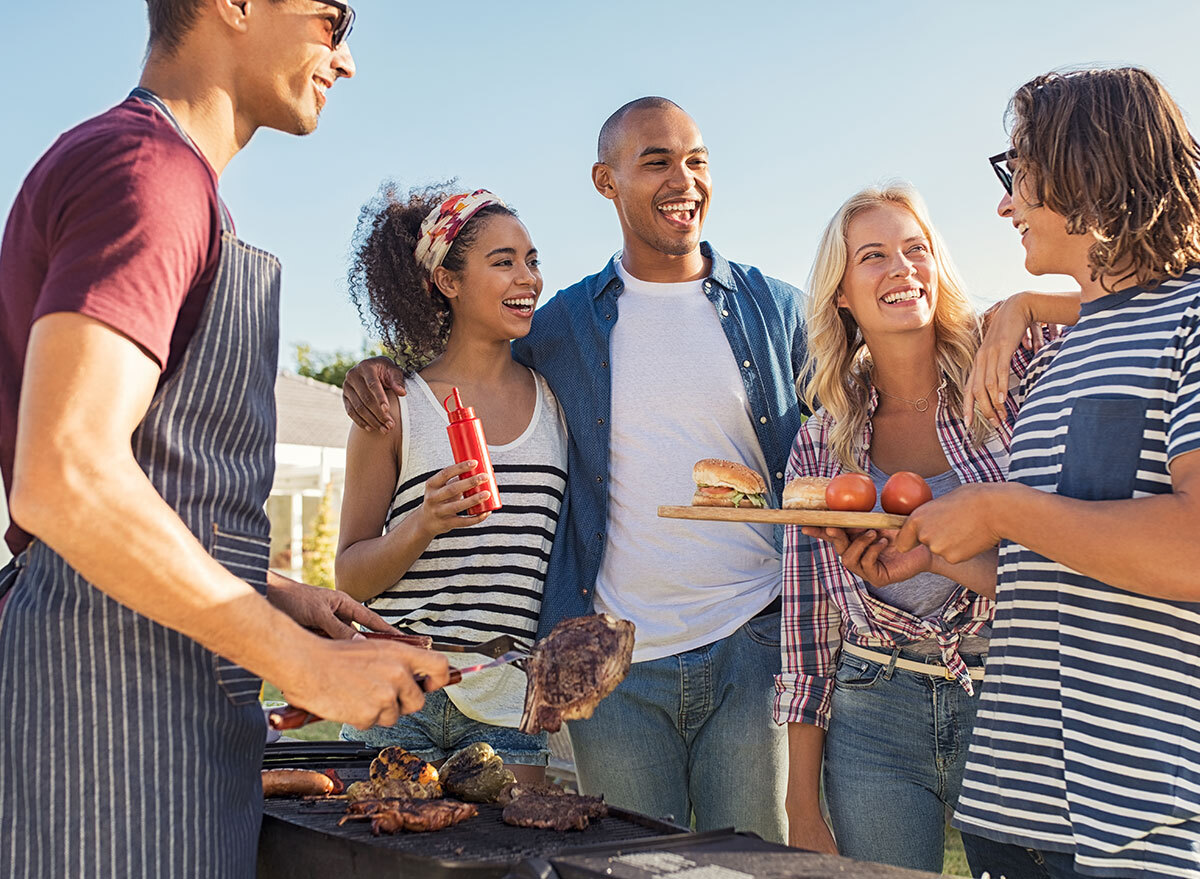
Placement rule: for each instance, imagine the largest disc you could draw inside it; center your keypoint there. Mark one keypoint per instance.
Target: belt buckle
(949, 674)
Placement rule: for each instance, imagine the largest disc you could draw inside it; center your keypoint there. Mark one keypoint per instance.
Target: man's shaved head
(610, 131)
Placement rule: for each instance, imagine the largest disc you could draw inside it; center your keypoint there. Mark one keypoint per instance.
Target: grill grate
(300, 838)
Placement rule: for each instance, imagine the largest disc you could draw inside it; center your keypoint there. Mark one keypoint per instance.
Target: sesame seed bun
(728, 474)
(805, 493)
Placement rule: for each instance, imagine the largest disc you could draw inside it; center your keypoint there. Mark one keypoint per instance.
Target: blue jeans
(693, 734)
(1006, 860)
(894, 758)
(439, 729)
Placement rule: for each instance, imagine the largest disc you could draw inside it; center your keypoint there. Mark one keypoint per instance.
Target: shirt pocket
(1103, 448)
(245, 556)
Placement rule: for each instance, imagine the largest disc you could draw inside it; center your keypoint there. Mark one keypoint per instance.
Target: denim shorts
(439, 729)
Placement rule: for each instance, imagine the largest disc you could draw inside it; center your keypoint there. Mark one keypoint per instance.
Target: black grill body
(301, 838)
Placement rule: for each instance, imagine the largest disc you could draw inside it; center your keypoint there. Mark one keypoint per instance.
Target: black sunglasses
(341, 27)
(1003, 171)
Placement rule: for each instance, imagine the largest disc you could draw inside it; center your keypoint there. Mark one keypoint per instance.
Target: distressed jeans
(894, 759)
(693, 734)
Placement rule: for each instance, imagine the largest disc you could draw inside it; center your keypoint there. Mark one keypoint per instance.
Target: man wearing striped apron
(137, 445)
(1085, 759)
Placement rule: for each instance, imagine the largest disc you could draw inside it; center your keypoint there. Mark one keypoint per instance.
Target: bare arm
(77, 486)
(368, 560)
(1145, 545)
(977, 573)
(806, 827)
(1014, 320)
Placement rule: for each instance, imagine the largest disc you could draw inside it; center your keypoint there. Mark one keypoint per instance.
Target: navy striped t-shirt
(1088, 732)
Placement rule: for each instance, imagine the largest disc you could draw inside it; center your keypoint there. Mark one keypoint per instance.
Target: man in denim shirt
(702, 363)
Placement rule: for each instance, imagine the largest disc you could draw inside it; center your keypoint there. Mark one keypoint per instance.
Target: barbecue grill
(301, 839)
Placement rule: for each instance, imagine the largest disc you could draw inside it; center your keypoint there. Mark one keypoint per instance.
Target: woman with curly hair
(883, 652)
(449, 280)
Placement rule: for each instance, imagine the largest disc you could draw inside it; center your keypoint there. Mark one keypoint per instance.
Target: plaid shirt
(823, 603)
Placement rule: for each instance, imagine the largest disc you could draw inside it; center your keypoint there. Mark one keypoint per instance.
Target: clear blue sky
(800, 103)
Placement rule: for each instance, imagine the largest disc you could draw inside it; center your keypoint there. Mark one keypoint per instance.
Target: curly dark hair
(1109, 150)
(385, 278)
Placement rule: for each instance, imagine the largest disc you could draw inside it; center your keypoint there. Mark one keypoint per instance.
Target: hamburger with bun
(727, 484)
(805, 493)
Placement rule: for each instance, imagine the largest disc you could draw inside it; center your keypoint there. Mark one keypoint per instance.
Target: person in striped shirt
(882, 652)
(450, 278)
(1086, 755)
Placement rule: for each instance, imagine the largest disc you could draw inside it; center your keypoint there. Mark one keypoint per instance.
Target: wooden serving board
(817, 518)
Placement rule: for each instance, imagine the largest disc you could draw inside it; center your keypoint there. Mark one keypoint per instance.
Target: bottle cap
(459, 412)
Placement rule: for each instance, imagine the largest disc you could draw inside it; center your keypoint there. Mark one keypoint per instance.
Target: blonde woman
(883, 652)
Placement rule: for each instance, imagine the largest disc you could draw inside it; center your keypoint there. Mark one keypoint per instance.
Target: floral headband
(442, 225)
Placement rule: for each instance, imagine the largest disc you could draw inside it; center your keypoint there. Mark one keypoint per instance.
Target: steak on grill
(548, 807)
(570, 670)
(390, 816)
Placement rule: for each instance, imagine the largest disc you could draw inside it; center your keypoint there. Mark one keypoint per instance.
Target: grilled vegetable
(475, 774)
(397, 773)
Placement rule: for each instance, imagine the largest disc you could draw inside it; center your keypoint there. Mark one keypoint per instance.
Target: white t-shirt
(677, 397)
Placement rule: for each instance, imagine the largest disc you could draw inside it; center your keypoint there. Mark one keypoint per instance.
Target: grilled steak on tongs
(570, 670)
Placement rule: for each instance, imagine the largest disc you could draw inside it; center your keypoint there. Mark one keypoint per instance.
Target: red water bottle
(467, 444)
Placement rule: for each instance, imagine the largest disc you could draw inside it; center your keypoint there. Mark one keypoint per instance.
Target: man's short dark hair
(170, 20)
(612, 126)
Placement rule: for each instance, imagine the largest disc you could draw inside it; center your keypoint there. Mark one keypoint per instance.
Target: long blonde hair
(839, 365)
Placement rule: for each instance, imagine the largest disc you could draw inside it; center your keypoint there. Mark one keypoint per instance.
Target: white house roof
(309, 412)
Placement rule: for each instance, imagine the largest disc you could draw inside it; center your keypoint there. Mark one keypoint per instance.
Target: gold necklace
(920, 404)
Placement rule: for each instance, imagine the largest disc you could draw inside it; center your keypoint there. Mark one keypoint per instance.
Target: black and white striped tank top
(474, 583)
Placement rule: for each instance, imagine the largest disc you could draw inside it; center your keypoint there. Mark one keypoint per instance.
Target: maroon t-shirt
(120, 221)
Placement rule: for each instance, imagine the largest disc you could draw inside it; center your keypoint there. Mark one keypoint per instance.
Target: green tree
(320, 547)
(331, 366)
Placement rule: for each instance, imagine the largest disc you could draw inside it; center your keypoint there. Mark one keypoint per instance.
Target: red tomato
(850, 492)
(904, 492)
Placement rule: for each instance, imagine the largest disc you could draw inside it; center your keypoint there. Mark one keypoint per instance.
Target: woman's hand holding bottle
(440, 510)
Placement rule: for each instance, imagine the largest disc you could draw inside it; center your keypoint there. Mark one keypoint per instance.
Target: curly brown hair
(1109, 150)
(385, 279)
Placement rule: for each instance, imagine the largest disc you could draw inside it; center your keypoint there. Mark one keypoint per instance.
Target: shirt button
(583, 592)
(724, 312)
(608, 317)
(779, 476)
(600, 479)
(746, 363)
(599, 535)
(599, 420)
(604, 364)
(762, 420)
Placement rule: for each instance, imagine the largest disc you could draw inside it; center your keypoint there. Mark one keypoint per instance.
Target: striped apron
(126, 749)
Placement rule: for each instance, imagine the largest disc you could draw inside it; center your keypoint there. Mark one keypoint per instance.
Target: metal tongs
(504, 650)
(493, 647)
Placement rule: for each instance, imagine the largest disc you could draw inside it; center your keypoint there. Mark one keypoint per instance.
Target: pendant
(922, 404)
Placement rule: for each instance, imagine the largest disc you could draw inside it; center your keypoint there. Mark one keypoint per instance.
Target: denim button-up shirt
(569, 344)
